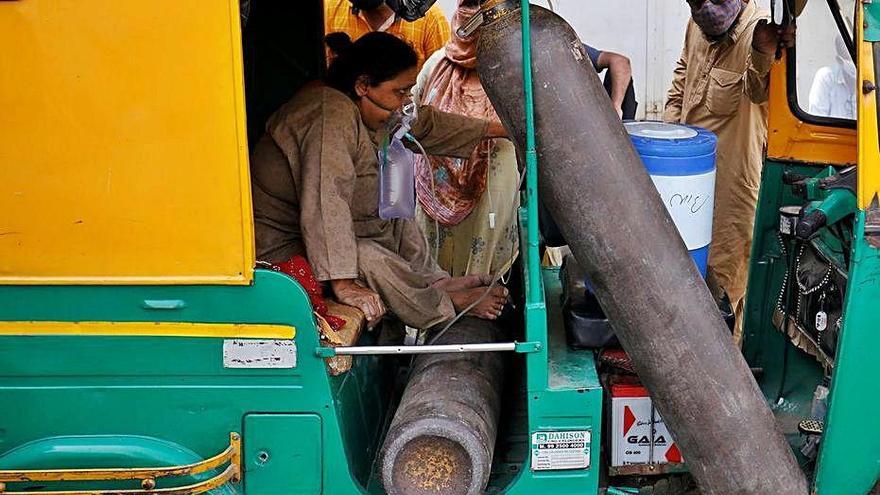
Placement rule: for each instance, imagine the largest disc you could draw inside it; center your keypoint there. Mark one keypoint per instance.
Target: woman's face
(378, 103)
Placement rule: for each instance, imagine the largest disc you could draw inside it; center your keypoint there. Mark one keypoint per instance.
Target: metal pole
(424, 349)
(535, 294)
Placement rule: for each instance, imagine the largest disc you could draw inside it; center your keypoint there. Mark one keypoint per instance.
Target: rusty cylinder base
(443, 434)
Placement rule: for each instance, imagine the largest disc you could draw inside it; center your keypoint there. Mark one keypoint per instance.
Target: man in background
(721, 83)
(833, 92)
(359, 17)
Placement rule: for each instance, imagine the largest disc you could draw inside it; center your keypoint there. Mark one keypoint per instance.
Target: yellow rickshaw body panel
(869, 142)
(123, 153)
(148, 329)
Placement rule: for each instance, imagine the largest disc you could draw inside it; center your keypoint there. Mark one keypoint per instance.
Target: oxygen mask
(401, 120)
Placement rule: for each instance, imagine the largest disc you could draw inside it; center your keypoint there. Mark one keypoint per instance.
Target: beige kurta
(723, 87)
(316, 188)
(474, 247)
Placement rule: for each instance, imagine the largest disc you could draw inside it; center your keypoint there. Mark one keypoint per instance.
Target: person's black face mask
(410, 10)
(366, 4)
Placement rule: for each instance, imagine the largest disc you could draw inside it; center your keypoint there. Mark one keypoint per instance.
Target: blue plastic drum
(681, 162)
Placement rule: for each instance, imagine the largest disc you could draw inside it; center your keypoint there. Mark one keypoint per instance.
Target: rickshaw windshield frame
(791, 74)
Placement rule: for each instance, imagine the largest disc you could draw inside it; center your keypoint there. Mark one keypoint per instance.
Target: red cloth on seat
(298, 268)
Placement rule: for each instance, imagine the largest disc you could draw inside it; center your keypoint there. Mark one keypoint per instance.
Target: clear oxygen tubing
(436, 251)
(431, 95)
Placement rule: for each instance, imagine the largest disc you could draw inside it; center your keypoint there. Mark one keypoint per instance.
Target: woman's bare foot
(488, 308)
(453, 284)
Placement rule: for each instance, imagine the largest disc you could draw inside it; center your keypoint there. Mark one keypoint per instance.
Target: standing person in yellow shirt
(359, 17)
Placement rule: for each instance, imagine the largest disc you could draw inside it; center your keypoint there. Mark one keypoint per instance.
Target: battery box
(638, 433)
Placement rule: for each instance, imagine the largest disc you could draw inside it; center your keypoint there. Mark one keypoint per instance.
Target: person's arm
(495, 129)
(675, 96)
(326, 187)
(766, 40)
(620, 70)
(448, 134)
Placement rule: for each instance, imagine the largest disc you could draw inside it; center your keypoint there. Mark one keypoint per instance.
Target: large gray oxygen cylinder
(442, 437)
(594, 185)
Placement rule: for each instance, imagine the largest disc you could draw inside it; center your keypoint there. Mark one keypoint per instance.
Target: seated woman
(467, 207)
(315, 176)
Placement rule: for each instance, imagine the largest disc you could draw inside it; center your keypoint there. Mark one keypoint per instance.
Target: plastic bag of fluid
(397, 190)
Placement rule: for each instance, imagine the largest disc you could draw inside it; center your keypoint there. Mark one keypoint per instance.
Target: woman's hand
(350, 292)
(496, 130)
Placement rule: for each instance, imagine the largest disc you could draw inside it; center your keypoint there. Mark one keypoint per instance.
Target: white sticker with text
(556, 450)
(240, 353)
